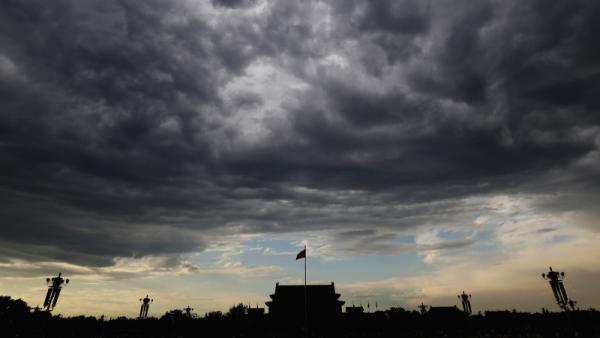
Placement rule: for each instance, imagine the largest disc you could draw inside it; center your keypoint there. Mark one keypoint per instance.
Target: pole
(305, 268)
(305, 294)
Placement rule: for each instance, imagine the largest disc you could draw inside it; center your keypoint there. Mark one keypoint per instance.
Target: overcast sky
(189, 149)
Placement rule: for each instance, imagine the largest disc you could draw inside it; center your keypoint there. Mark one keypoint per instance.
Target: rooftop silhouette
(287, 303)
(18, 320)
(306, 310)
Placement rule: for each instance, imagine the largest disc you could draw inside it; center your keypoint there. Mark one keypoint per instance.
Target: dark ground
(18, 320)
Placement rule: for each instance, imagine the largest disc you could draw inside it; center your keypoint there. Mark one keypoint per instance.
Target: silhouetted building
(355, 310)
(288, 302)
(445, 313)
(255, 312)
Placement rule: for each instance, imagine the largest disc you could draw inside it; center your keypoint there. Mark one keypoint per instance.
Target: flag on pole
(301, 254)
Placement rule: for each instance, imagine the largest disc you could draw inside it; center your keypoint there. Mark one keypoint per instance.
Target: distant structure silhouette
(255, 312)
(422, 308)
(55, 285)
(555, 279)
(355, 310)
(446, 314)
(466, 302)
(145, 306)
(287, 303)
(187, 312)
(17, 320)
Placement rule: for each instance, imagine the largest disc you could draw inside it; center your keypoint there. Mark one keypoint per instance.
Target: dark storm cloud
(233, 3)
(396, 17)
(116, 141)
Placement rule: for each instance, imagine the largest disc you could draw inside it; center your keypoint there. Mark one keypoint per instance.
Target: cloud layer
(155, 129)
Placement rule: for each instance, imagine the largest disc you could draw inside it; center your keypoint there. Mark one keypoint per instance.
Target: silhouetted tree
(16, 320)
(239, 310)
(214, 315)
(174, 315)
(13, 308)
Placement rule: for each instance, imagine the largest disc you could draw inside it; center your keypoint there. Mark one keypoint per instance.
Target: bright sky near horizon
(189, 149)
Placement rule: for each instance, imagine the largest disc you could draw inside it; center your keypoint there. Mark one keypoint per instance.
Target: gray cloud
(370, 241)
(233, 3)
(115, 136)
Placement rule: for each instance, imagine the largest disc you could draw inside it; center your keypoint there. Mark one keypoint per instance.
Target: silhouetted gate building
(287, 303)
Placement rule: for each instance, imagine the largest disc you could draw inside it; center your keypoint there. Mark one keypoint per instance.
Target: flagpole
(305, 266)
(305, 294)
